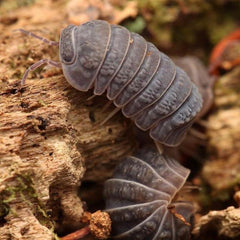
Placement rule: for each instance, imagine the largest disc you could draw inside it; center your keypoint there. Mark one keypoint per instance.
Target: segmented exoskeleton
(141, 198)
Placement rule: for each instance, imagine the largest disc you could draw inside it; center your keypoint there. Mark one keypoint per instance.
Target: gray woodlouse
(140, 80)
(141, 196)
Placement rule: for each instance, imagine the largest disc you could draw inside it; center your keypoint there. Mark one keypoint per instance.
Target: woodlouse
(140, 80)
(141, 198)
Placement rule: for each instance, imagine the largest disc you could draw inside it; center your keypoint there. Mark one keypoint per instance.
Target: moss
(42, 103)
(24, 190)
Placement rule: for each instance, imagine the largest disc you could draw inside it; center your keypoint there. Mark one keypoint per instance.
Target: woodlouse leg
(110, 116)
(92, 97)
(37, 65)
(49, 42)
(159, 147)
(106, 106)
(189, 188)
(203, 123)
(197, 134)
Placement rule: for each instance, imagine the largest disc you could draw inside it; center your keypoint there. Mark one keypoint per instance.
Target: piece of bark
(221, 225)
(46, 133)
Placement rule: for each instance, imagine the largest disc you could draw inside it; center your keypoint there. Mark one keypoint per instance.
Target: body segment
(141, 194)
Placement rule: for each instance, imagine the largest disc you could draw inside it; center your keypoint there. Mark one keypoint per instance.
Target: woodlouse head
(81, 52)
(140, 198)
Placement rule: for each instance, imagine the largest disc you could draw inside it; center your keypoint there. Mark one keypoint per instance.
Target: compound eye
(66, 45)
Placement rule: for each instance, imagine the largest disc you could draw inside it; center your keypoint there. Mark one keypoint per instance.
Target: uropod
(140, 80)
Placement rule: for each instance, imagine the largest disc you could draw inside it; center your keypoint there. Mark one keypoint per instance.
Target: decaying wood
(220, 225)
(47, 137)
(50, 141)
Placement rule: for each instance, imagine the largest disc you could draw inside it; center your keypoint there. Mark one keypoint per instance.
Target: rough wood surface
(50, 136)
(46, 138)
(220, 225)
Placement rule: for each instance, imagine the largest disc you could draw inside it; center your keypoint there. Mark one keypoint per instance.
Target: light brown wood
(50, 141)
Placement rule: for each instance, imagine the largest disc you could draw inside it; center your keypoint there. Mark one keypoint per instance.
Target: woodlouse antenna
(41, 62)
(49, 42)
(37, 65)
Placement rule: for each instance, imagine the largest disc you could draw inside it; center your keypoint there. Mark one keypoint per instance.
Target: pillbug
(141, 198)
(140, 80)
